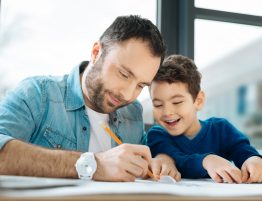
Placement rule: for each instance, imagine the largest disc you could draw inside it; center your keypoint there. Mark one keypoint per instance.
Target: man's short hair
(133, 26)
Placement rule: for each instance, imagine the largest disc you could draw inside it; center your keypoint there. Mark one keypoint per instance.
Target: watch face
(88, 169)
(86, 166)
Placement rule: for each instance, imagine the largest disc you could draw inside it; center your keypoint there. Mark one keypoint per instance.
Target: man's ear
(200, 100)
(96, 51)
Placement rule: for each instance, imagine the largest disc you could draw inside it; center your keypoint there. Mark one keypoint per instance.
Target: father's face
(117, 79)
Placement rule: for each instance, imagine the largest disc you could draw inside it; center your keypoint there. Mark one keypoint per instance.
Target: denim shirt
(49, 111)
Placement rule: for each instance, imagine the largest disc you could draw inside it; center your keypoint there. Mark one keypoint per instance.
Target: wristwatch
(86, 166)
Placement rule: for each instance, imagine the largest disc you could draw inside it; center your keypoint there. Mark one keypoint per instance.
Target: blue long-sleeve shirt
(216, 136)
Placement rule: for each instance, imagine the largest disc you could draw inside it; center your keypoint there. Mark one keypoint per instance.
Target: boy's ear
(96, 51)
(200, 100)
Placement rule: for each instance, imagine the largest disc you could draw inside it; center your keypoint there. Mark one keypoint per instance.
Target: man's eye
(123, 75)
(141, 86)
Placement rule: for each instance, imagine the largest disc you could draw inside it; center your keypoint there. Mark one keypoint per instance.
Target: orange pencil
(118, 141)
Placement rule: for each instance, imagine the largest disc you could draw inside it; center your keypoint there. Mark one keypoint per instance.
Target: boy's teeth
(171, 121)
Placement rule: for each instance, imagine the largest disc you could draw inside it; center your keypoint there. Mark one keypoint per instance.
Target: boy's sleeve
(238, 148)
(19, 112)
(189, 165)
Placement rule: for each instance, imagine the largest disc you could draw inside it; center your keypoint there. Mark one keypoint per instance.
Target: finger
(235, 175)
(217, 178)
(249, 180)
(156, 167)
(253, 176)
(178, 176)
(127, 177)
(245, 174)
(141, 163)
(165, 170)
(172, 173)
(226, 177)
(175, 174)
(260, 179)
(141, 150)
(133, 169)
(123, 176)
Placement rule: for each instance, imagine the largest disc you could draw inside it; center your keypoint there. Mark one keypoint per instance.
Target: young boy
(199, 148)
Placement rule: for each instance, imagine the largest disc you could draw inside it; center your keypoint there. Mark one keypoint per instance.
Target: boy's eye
(157, 105)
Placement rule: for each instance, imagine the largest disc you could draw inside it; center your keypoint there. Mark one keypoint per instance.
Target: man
(64, 113)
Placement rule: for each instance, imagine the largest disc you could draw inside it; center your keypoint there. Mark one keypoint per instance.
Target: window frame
(175, 19)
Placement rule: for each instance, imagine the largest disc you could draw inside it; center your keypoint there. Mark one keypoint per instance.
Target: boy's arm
(197, 165)
(237, 144)
(189, 165)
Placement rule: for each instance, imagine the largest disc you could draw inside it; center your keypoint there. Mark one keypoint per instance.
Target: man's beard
(97, 98)
(96, 91)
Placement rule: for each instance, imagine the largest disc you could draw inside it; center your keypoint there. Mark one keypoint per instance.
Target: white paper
(163, 179)
(186, 187)
(23, 182)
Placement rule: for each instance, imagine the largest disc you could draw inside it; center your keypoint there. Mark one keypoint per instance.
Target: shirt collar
(74, 97)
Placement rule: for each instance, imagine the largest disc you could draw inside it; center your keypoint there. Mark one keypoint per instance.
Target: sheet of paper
(163, 179)
(21, 182)
(203, 187)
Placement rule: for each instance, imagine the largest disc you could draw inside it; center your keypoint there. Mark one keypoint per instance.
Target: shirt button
(58, 146)
(84, 128)
(115, 119)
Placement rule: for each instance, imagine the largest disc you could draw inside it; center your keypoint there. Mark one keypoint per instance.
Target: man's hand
(221, 170)
(252, 170)
(122, 163)
(163, 165)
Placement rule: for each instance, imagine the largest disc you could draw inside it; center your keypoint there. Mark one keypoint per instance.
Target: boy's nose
(168, 111)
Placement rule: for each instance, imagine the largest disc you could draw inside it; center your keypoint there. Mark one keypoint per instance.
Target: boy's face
(175, 109)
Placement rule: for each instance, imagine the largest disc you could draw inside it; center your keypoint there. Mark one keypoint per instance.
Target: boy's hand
(163, 165)
(252, 170)
(221, 170)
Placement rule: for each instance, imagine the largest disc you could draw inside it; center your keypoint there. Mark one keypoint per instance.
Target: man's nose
(128, 92)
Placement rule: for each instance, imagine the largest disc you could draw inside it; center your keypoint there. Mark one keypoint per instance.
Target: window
(216, 41)
(252, 7)
(242, 102)
(224, 37)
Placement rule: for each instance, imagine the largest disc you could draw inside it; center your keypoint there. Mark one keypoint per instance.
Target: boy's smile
(171, 123)
(174, 108)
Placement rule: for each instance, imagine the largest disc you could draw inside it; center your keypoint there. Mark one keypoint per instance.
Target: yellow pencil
(118, 141)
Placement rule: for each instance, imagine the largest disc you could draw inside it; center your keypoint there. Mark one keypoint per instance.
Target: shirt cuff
(4, 139)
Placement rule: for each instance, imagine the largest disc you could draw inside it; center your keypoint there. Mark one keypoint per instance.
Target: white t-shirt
(99, 139)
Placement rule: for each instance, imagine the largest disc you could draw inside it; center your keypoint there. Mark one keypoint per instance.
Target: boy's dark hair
(133, 26)
(178, 68)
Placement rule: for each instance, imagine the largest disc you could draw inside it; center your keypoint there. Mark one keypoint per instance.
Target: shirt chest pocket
(56, 140)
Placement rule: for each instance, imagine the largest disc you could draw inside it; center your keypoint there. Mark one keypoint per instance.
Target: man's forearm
(19, 158)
